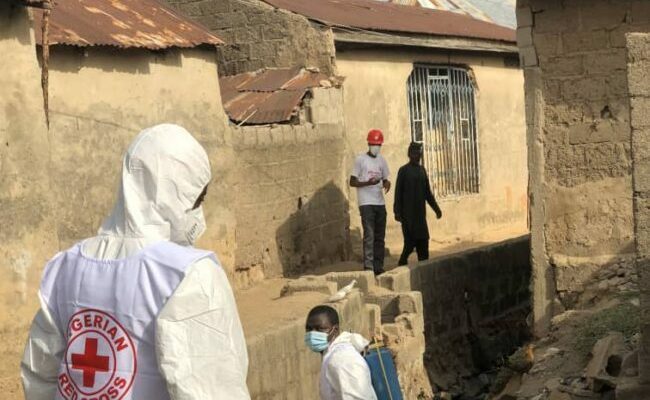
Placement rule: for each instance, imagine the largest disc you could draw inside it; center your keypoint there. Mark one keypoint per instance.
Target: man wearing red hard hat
(370, 177)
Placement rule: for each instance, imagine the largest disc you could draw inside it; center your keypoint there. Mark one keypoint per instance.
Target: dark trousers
(420, 245)
(373, 220)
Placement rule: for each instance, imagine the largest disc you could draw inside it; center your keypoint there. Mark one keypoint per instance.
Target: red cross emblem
(100, 359)
(89, 362)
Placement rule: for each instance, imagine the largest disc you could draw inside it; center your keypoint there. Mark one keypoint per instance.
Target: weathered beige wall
(290, 202)
(27, 234)
(100, 98)
(59, 185)
(638, 57)
(579, 141)
(376, 97)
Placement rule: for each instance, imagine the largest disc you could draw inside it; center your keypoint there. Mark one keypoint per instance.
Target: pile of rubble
(616, 277)
(558, 367)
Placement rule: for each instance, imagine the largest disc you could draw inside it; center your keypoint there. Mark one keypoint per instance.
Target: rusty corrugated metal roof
(122, 23)
(388, 17)
(269, 96)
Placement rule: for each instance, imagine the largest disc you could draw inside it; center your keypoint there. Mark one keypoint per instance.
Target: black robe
(412, 192)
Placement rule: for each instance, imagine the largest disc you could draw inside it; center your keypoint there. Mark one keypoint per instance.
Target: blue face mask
(316, 341)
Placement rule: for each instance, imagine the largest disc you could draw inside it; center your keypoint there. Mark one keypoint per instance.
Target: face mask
(191, 228)
(374, 150)
(316, 341)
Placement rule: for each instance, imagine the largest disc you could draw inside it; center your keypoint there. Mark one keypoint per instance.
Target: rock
(552, 384)
(442, 396)
(630, 364)
(605, 364)
(308, 284)
(551, 351)
(510, 390)
(557, 395)
(608, 273)
(578, 393)
(616, 281)
(537, 369)
(630, 389)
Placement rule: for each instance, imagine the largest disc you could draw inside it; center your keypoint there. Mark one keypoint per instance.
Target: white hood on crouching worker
(164, 171)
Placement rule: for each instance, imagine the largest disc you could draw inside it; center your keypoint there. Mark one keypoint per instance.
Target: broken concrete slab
(308, 284)
(630, 364)
(365, 279)
(397, 280)
(605, 364)
(410, 302)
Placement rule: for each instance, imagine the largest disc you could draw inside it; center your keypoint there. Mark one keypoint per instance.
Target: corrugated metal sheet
(387, 17)
(122, 23)
(268, 96)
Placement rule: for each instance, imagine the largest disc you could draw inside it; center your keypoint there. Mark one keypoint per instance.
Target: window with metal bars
(443, 118)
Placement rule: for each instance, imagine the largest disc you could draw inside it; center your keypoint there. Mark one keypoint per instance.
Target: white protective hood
(163, 173)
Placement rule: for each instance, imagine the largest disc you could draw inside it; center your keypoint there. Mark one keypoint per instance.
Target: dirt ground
(558, 368)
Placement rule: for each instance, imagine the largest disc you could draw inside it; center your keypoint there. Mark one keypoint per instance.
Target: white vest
(106, 310)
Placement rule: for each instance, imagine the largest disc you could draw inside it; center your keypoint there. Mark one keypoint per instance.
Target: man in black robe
(412, 192)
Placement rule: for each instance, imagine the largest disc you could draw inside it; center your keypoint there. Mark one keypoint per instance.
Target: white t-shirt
(366, 167)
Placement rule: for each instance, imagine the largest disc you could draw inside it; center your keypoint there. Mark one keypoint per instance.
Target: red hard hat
(375, 137)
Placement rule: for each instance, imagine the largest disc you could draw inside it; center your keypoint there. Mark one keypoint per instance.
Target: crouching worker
(344, 373)
(136, 312)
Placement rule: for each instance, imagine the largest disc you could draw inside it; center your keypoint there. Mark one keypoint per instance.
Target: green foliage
(622, 318)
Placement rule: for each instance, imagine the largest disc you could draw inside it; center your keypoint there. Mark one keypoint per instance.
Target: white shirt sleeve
(384, 170)
(42, 356)
(349, 376)
(357, 168)
(199, 338)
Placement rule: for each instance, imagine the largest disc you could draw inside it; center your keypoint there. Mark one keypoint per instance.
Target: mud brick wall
(638, 66)
(291, 206)
(580, 162)
(475, 307)
(260, 36)
(27, 228)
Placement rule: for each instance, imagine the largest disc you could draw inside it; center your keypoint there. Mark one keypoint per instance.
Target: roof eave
(205, 46)
(424, 41)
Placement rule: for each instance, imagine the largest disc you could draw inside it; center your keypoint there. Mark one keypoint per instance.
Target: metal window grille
(443, 118)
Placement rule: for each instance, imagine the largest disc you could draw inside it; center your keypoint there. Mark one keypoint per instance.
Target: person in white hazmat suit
(344, 375)
(137, 312)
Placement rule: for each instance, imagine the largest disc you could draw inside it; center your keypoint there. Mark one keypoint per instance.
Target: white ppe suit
(345, 375)
(197, 336)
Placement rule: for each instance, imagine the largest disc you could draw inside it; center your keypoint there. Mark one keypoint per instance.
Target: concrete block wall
(261, 36)
(638, 58)
(475, 306)
(580, 160)
(395, 316)
(291, 208)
